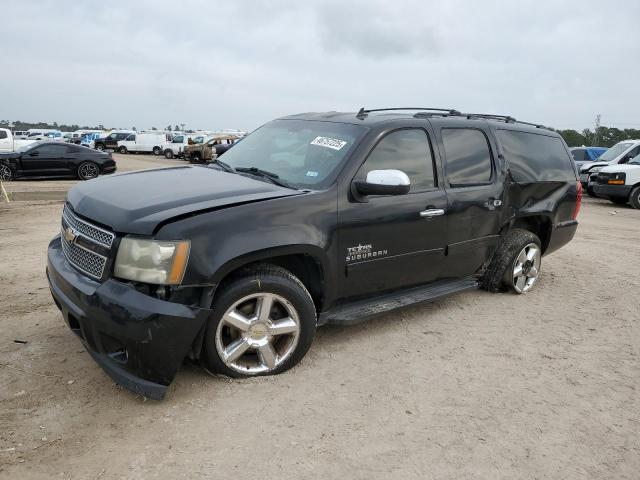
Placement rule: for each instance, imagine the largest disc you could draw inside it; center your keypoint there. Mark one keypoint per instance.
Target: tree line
(604, 137)
(20, 126)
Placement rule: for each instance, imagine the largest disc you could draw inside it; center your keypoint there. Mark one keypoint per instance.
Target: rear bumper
(621, 191)
(140, 341)
(561, 234)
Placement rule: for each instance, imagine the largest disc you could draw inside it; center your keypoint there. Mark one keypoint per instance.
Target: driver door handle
(432, 212)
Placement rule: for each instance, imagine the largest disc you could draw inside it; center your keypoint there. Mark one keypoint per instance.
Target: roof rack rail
(363, 112)
(446, 112)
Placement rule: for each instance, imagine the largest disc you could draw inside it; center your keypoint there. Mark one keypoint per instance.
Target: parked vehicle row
(620, 153)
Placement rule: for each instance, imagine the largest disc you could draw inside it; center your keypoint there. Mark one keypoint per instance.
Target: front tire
(100, 147)
(591, 192)
(516, 263)
(168, 154)
(634, 198)
(123, 150)
(88, 170)
(195, 158)
(262, 323)
(6, 173)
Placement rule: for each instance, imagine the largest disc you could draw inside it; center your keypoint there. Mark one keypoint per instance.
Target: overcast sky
(238, 64)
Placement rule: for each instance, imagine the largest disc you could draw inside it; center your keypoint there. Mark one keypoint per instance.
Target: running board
(361, 310)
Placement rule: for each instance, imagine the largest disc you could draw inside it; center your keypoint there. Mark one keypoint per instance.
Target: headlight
(617, 179)
(152, 261)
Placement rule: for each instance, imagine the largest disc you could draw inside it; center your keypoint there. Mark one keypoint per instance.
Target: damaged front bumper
(140, 341)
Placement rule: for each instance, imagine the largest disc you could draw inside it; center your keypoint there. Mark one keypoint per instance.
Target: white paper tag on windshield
(332, 143)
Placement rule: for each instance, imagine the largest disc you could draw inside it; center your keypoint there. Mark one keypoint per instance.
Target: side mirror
(384, 182)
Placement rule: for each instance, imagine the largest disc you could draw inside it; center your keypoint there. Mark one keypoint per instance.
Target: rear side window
(406, 150)
(3, 134)
(536, 158)
(468, 157)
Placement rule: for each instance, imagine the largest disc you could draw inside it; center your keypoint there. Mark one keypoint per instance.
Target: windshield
(614, 151)
(303, 153)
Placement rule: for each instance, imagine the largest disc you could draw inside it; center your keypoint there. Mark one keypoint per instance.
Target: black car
(57, 159)
(312, 219)
(111, 140)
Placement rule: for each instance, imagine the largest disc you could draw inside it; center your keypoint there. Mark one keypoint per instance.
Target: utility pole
(597, 131)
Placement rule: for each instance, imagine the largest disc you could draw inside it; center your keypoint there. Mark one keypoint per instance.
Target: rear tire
(157, 150)
(634, 198)
(242, 339)
(88, 170)
(168, 154)
(511, 263)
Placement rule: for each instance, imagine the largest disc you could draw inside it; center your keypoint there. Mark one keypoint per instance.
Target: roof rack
(450, 112)
(363, 112)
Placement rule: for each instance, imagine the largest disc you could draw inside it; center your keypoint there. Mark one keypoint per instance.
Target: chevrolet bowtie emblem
(70, 235)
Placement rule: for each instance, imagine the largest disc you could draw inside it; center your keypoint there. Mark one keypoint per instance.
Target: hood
(137, 202)
(623, 167)
(589, 165)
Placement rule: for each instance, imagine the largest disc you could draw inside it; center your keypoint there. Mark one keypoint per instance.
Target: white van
(144, 142)
(175, 147)
(621, 152)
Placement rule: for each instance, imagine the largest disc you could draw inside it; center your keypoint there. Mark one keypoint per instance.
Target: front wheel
(634, 198)
(516, 263)
(262, 323)
(88, 170)
(100, 147)
(5, 172)
(168, 154)
(123, 149)
(590, 191)
(195, 158)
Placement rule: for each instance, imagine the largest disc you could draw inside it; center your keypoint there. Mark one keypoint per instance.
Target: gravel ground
(479, 385)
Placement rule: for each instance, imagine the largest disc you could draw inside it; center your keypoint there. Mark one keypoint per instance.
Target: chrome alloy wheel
(258, 333)
(5, 172)
(88, 171)
(526, 268)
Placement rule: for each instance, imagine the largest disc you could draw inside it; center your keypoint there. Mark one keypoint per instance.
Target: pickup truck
(8, 143)
(312, 219)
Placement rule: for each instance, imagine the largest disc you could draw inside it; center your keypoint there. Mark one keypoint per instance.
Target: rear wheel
(634, 198)
(515, 264)
(168, 153)
(88, 170)
(262, 323)
(157, 150)
(5, 172)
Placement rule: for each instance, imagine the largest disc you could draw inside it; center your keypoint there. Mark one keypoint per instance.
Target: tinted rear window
(536, 158)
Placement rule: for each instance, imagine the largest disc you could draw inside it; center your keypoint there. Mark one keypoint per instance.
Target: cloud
(239, 64)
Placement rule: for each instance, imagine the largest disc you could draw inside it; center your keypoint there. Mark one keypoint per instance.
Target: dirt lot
(480, 385)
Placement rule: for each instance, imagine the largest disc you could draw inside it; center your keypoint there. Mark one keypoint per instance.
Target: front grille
(84, 260)
(85, 246)
(96, 234)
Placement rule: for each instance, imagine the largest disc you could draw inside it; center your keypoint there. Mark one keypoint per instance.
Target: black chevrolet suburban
(312, 219)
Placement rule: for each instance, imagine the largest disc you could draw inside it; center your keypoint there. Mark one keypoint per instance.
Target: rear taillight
(576, 210)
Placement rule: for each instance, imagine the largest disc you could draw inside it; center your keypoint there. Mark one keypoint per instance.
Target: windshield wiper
(273, 177)
(225, 166)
